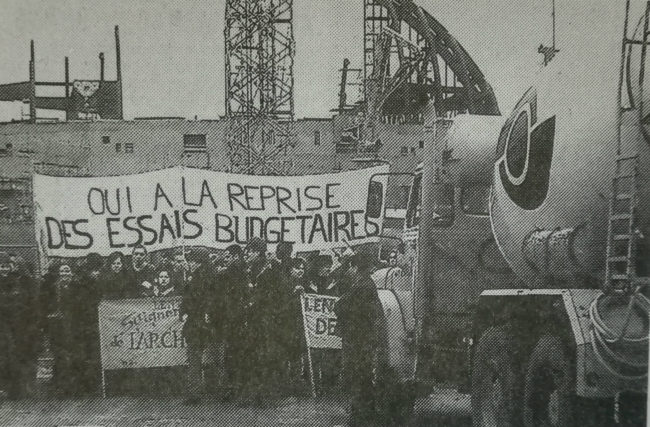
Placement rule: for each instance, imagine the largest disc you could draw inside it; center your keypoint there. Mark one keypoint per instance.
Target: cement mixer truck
(524, 270)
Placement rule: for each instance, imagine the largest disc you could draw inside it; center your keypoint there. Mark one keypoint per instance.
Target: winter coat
(19, 314)
(359, 314)
(197, 298)
(86, 296)
(232, 296)
(323, 286)
(140, 281)
(113, 285)
(292, 311)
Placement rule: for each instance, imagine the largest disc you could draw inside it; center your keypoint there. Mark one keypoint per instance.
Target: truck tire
(394, 399)
(632, 409)
(549, 391)
(494, 380)
(548, 387)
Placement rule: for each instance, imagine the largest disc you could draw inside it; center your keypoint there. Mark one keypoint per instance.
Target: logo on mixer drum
(525, 152)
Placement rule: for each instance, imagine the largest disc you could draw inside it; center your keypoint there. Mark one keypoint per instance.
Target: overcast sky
(173, 51)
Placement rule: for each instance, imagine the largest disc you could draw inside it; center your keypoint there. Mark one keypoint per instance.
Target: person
(47, 283)
(339, 270)
(264, 314)
(359, 315)
(179, 270)
(285, 331)
(114, 279)
(163, 286)
(229, 315)
(84, 321)
(162, 380)
(141, 273)
(326, 362)
(319, 276)
(18, 330)
(59, 303)
(19, 265)
(292, 319)
(114, 284)
(392, 259)
(194, 312)
(283, 253)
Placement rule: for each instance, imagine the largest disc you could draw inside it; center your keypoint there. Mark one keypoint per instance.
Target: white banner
(197, 207)
(319, 321)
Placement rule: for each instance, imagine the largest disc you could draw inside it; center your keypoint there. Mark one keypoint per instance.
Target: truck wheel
(632, 410)
(548, 386)
(494, 380)
(549, 394)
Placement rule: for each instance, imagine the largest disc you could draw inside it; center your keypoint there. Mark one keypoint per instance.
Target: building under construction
(409, 59)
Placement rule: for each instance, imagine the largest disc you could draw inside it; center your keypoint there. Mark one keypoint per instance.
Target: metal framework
(85, 99)
(259, 85)
(409, 58)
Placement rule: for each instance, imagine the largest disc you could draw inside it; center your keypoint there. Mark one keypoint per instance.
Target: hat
(256, 244)
(323, 261)
(94, 261)
(284, 250)
(297, 262)
(362, 261)
(199, 255)
(235, 250)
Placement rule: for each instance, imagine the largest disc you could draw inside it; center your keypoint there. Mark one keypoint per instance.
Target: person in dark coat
(195, 313)
(265, 313)
(326, 362)
(59, 303)
(114, 279)
(179, 271)
(141, 274)
(319, 277)
(47, 289)
(229, 316)
(19, 323)
(283, 253)
(86, 294)
(295, 338)
(359, 315)
(164, 286)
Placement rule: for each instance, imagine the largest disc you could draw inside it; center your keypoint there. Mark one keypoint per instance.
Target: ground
(166, 412)
(441, 409)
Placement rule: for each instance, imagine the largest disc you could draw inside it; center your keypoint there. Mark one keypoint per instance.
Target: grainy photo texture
(361, 213)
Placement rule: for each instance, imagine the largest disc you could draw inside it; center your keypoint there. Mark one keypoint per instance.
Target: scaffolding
(259, 85)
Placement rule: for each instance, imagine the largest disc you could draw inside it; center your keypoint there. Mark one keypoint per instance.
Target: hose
(603, 337)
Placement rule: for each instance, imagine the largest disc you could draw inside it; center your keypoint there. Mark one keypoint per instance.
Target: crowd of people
(245, 301)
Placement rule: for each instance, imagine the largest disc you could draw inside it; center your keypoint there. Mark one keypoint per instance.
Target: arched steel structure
(431, 64)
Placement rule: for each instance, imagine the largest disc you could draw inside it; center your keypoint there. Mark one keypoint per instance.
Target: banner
(196, 207)
(141, 333)
(319, 321)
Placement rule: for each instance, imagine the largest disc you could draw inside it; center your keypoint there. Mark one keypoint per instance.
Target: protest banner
(141, 333)
(319, 321)
(319, 325)
(196, 207)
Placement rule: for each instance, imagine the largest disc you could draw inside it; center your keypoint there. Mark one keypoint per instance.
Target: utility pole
(549, 52)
